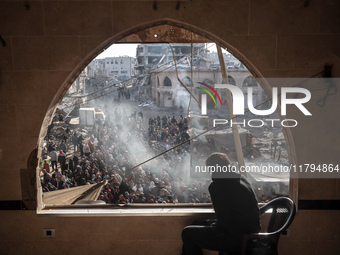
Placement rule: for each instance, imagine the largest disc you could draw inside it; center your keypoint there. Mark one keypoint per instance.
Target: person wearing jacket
(236, 211)
(54, 159)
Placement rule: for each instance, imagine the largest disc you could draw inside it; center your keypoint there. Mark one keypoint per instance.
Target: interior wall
(44, 43)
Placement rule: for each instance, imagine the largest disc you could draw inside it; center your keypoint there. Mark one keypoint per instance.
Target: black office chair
(266, 242)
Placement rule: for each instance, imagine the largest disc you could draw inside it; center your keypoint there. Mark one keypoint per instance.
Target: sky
(117, 50)
(129, 49)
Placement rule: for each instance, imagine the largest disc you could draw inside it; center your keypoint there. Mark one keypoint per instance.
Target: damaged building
(151, 55)
(167, 91)
(158, 73)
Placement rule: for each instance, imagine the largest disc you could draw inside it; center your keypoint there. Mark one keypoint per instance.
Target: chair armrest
(261, 235)
(265, 207)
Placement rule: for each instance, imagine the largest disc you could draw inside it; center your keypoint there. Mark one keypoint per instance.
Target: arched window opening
(231, 80)
(108, 125)
(250, 81)
(167, 82)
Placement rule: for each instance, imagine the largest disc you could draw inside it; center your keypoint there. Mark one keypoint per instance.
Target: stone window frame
(165, 82)
(293, 183)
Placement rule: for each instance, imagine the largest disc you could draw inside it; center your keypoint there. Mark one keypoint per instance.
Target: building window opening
(109, 124)
(250, 81)
(187, 81)
(167, 82)
(231, 80)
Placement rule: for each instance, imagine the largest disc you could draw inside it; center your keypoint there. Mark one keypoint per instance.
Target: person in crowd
(46, 166)
(91, 145)
(111, 159)
(204, 198)
(63, 146)
(62, 159)
(74, 139)
(86, 149)
(54, 159)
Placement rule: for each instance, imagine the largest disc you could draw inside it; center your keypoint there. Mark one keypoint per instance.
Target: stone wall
(47, 43)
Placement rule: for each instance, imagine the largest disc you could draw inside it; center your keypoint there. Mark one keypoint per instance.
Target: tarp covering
(72, 195)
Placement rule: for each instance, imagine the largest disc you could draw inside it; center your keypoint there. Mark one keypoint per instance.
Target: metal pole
(237, 140)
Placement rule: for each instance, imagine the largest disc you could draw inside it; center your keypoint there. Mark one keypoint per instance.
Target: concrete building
(150, 55)
(114, 66)
(97, 68)
(120, 66)
(44, 46)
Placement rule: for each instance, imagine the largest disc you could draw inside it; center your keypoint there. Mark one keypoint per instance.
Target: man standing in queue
(236, 211)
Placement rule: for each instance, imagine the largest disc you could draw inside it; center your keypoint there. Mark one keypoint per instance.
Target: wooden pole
(237, 140)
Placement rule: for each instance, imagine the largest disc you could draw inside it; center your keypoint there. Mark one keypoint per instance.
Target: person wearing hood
(236, 211)
(91, 146)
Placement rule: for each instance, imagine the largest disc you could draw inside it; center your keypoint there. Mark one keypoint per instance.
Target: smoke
(131, 144)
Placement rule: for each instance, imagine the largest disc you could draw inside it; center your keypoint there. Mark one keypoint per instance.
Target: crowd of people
(113, 150)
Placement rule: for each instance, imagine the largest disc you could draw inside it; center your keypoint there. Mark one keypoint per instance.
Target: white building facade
(120, 66)
(114, 66)
(168, 92)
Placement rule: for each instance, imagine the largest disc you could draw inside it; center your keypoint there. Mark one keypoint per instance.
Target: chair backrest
(283, 213)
